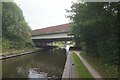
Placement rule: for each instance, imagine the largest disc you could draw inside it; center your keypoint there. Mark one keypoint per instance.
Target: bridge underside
(42, 43)
(51, 39)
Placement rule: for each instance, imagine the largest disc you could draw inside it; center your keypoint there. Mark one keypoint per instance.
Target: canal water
(42, 64)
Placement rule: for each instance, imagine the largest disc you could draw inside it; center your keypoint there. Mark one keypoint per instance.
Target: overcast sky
(44, 13)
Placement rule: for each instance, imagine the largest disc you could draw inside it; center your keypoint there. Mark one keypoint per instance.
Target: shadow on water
(43, 64)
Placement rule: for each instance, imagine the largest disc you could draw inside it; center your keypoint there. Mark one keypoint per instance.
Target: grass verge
(82, 71)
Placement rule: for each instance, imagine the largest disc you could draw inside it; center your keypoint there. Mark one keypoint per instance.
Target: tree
(94, 26)
(16, 32)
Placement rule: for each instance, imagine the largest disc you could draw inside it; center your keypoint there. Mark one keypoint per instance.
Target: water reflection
(35, 74)
(43, 64)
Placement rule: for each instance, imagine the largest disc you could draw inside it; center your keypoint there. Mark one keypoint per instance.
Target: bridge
(45, 36)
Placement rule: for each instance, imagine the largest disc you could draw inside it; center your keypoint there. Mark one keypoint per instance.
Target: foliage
(59, 43)
(0, 26)
(15, 31)
(95, 28)
(82, 71)
(105, 70)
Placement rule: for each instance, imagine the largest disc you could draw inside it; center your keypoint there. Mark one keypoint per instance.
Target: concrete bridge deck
(45, 36)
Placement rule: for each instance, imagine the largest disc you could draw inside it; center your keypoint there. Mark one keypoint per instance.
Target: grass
(105, 70)
(82, 71)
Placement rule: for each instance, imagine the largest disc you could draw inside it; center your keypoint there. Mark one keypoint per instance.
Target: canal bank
(6, 56)
(69, 68)
(77, 67)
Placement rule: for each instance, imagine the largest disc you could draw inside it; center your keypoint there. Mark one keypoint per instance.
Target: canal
(41, 64)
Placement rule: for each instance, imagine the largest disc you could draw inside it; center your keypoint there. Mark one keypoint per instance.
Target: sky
(44, 13)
